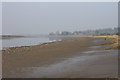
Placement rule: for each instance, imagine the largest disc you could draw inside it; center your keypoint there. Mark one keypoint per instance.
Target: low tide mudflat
(74, 58)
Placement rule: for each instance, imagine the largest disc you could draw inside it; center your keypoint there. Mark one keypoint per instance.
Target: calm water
(15, 42)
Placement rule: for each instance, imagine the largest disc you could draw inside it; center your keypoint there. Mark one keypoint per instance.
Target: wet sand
(75, 58)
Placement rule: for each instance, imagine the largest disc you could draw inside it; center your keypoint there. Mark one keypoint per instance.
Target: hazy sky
(42, 18)
(59, 0)
(0, 18)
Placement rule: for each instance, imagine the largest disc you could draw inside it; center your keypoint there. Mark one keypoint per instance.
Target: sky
(45, 17)
(60, 0)
(0, 18)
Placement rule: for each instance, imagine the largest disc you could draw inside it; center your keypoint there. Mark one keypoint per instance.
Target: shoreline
(18, 47)
(114, 37)
(51, 39)
(64, 39)
(47, 54)
(40, 55)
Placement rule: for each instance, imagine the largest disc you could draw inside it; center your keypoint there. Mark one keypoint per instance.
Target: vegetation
(106, 31)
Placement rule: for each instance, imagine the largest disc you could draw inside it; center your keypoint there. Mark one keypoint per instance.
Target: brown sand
(114, 41)
(50, 53)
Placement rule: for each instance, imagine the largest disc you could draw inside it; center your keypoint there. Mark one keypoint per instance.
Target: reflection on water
(93, 47)
(100, 51)
(26, 41)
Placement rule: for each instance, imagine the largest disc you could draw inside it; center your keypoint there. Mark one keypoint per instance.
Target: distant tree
(66, 33)
(51, 33)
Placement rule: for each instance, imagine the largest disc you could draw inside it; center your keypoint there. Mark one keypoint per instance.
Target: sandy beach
(74, 58)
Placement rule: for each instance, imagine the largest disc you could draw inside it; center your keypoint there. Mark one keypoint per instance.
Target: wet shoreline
(80, 58)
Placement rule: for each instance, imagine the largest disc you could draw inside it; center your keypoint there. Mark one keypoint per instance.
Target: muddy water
(93, 63)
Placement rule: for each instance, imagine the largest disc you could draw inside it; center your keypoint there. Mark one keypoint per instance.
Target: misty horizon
(44, 17)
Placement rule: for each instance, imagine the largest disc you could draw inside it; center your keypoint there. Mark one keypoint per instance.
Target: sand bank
(22, 61)
(114, 41)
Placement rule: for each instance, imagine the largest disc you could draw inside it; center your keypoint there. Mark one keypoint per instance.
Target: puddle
(98, 40)
(101, 51)
(94, 47)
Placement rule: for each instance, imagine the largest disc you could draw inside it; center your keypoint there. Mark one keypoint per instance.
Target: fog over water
(45, 17)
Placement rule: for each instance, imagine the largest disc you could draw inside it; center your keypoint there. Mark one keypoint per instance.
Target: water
(26, 41)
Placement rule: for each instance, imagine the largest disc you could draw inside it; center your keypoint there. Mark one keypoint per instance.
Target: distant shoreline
(30, 37)
(10, 36)
(112, 42)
